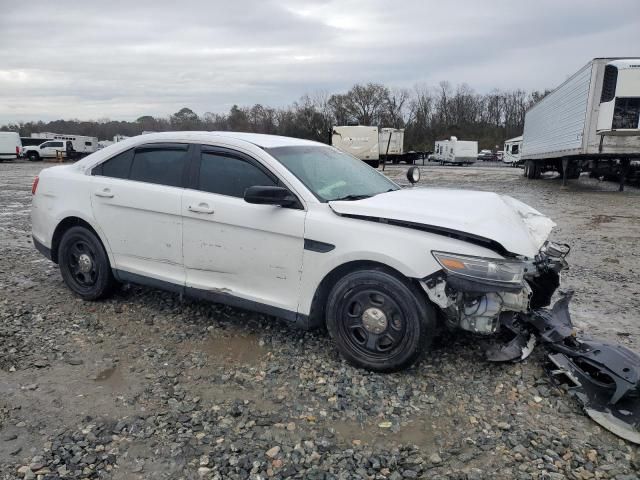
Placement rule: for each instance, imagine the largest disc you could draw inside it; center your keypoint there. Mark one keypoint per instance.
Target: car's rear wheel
(84, 264)
(378, 321)
(33, 156)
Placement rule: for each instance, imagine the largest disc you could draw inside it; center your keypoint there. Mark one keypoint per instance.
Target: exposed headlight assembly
(491, 270)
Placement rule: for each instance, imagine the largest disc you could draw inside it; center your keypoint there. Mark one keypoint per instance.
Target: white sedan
(298, 230)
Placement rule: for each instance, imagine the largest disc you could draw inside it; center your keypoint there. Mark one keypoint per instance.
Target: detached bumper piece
(603, 377)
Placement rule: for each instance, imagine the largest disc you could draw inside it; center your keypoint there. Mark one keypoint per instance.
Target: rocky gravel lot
(149, 385)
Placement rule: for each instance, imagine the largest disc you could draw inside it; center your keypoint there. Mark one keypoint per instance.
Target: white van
(10, 145)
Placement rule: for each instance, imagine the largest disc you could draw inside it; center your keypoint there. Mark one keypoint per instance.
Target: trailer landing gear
(565, 172)
(624, 171)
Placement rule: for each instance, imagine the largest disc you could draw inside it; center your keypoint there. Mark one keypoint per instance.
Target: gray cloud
(122, 59)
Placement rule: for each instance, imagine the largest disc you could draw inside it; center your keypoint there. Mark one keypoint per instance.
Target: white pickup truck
(72, 146)
(48, 149)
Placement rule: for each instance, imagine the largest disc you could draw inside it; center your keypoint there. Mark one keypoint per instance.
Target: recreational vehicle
(455, 152)
(512, 151)
(360, 141)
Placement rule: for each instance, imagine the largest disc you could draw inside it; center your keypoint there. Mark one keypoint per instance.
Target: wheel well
(62, 227)
(317, 311)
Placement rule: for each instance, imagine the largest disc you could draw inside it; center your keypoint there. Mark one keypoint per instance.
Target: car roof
(256, 139)
(259, 139)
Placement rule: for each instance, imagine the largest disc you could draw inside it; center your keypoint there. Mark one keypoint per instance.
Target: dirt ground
(149, 385)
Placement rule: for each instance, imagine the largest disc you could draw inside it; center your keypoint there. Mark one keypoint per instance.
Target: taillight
(17, 151)
(34, 187)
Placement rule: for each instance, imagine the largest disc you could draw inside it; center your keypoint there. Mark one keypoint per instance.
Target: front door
(50, 149)
(234, 248)
(136, 198)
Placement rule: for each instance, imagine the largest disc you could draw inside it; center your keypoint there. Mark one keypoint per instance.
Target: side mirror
(413, 175)
(264, 195)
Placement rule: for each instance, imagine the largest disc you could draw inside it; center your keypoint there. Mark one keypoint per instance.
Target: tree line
(426, 113)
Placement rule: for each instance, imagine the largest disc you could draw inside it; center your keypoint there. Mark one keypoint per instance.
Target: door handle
(201, 208)
(104, 193)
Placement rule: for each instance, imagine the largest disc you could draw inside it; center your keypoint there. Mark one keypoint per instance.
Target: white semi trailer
(591, 122)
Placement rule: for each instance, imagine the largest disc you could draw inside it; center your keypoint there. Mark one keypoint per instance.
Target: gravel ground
(148, 385)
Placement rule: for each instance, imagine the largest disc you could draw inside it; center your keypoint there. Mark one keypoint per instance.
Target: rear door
(234, 248)
(136, 200)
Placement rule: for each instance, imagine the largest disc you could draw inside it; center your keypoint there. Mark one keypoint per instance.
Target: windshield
(331, 174)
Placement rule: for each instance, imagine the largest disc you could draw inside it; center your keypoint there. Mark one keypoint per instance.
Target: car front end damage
(507, 300)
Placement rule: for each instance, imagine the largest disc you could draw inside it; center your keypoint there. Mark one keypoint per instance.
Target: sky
(124, 59)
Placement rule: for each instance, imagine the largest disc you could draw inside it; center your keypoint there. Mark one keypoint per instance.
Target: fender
(85, 218)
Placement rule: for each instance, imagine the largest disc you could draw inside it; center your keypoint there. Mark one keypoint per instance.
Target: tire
(84, 264)
(379, 321)
(33, 156)
(573, 172)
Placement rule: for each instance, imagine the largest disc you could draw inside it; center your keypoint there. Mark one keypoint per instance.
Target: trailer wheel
(573, 170)
(372, 163)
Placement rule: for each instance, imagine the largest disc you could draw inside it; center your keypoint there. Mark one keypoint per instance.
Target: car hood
(517, 227)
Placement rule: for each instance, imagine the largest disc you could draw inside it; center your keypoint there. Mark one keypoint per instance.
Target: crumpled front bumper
(603, 377)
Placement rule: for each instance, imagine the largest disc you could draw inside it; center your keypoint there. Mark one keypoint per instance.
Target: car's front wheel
(378, 320)
(84, 264)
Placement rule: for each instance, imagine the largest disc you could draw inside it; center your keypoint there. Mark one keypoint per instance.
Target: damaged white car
(302, 231)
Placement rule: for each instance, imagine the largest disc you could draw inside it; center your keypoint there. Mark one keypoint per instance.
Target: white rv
(591, 119)
(455, 152)
(512, 151)
(76, 146)
(359, 141)
(10, 146)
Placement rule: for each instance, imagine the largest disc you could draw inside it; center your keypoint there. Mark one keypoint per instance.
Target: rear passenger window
(116, 167)
(161, 165)
(231, 176)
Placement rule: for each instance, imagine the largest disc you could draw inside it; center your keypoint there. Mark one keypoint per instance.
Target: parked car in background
(47, 149)
(487, 156)
(283, 226)
(10, 145)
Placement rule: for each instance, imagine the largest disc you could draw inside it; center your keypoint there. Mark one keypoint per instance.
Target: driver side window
(225, 174)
